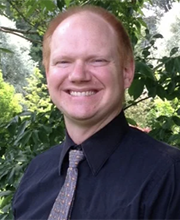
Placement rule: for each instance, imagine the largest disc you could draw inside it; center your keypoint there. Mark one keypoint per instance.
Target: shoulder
(46, 159)
(40, 167)
(153, 148)
(150, 158)
(157, 164)
(40, 173)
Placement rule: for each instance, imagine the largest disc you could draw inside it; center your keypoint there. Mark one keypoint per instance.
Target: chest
(111, 194)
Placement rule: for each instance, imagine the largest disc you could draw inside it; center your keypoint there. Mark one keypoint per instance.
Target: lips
(83, 93)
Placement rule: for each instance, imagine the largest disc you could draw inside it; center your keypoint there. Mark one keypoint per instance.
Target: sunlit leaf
(131, 121)
(67, 2)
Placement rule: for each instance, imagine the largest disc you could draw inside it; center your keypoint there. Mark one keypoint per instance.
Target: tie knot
(75, 156)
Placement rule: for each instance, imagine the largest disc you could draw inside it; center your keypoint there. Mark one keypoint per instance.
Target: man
(125, 173)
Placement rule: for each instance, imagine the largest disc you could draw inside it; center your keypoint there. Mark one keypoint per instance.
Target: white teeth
(87, 93)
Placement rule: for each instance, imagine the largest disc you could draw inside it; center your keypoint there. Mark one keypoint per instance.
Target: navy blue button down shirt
(125, 175)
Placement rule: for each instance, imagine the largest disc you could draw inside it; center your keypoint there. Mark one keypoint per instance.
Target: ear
(128, 73)
(47, 73)
(47, 77)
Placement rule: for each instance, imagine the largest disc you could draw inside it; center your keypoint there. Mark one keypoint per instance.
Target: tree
(36, 97)
(166, 5)
(17, 65)
(25, 136)
(164, 119)
(9, 102)
(171, 37)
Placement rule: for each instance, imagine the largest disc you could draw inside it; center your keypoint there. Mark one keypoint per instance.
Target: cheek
(112, 78)
(54, 79)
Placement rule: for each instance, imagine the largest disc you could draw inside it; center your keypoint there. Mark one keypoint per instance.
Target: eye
(62, 63)
(98, 62)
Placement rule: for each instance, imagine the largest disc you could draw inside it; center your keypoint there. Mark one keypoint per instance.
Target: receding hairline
(85, 14)
(99, 12)
(85, 10)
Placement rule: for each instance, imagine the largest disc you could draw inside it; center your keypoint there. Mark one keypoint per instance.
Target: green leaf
(142, 22)
(175, 137)
(178, 111)
(176, 120)
(174, 50)
(30, 3)
(6, 207)
(5, 50)
(43, 136)
(161, 92)
(5, 193)
(158, 36)
(11, 175)
(136, 88)
(26, 137)
(22, 128)
(48, 129)
(177, 63)
(67, 2)
(3, 217)
(2, 6)
(146, 53)
(31, 10)
(171, 87)
(131, 121)
(23, 139)
(141, 2)
(49, 5)
(169, 65)
(35, 137)
(151, 87)
(145, 70)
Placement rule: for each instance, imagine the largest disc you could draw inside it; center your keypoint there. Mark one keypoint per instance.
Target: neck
(81, 131)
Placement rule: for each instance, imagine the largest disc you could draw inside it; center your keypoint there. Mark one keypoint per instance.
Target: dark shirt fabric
(125, 175)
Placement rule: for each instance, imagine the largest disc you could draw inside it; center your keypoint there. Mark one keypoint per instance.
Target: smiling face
(86, 79)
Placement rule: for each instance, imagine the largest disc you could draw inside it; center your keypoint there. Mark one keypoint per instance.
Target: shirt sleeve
(163, 201)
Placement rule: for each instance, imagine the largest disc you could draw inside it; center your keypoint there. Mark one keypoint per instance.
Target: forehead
(86, 22)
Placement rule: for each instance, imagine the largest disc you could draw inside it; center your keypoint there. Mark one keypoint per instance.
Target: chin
(81, 117)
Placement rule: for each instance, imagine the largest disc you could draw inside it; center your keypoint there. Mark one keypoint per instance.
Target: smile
(87, 93)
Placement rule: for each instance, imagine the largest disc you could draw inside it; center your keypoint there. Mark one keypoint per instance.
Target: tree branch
(9, 1)
(20, 35)
(135, 103)
(18, 11)
(2, 28)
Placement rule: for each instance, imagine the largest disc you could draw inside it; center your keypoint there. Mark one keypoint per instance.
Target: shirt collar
(100, 146)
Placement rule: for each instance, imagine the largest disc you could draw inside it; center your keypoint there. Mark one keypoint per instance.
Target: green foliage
(137, 112)
(15, 62)
(25, 136)
(37, 98)
(164, 119)
(9, 101)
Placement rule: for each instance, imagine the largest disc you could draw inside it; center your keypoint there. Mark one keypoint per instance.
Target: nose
(79, 72)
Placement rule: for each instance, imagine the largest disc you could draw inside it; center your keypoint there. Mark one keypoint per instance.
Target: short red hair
(124, 44)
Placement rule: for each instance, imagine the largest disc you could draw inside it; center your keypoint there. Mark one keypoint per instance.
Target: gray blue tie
(64, 201)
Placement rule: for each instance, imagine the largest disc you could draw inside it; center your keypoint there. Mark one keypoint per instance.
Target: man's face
(85, 77)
